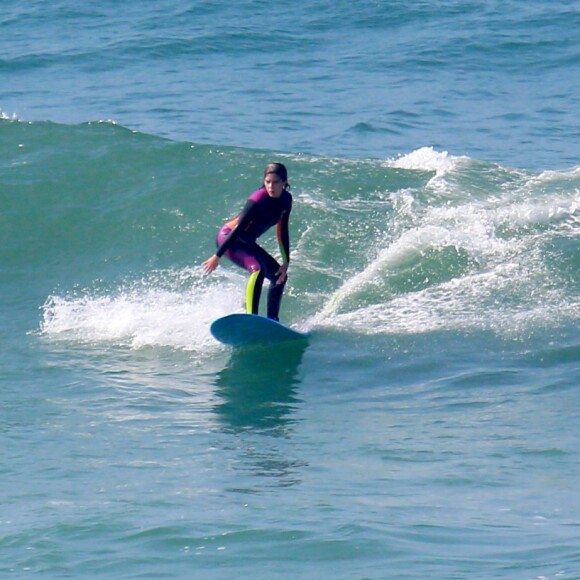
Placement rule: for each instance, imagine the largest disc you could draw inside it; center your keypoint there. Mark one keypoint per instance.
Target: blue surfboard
(250, 329)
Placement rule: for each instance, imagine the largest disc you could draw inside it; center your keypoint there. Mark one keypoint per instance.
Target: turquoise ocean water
(429, 428)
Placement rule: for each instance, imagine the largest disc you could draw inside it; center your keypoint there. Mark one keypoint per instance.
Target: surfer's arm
(239, 225)
(283, 234)
(211, 264)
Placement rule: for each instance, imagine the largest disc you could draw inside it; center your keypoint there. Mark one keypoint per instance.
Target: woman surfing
(267, 207)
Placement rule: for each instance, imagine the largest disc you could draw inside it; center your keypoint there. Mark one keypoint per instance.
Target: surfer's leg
(243, 255)
(261, 265)
(275, 299)
(269, 267)
(254, 291)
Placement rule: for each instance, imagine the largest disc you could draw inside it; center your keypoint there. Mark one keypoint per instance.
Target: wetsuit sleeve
(243, 220)
(284, 236)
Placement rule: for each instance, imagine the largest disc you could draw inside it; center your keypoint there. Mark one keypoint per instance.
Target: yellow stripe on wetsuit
(250, 288)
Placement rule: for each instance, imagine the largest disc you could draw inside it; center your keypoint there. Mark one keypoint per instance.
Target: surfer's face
(274, 184)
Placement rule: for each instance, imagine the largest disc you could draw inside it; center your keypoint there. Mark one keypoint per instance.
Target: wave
(118, 222)
(501, 255)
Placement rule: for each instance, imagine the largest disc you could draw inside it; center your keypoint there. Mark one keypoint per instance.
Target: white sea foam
(6, 117)
(148, 313)
(494, 300)
(505, 283)
(426, 159)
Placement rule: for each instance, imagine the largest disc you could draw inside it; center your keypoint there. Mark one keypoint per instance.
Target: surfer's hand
(210, 265)
(282, 273)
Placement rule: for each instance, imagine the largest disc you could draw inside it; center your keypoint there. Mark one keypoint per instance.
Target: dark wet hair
(278, 169)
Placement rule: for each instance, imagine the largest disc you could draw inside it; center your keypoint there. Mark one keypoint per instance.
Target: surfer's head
(275, 179)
